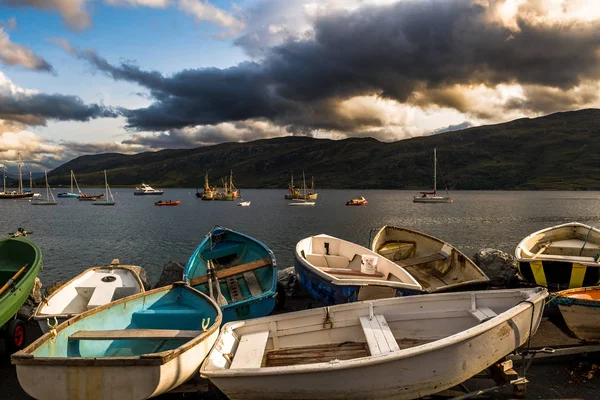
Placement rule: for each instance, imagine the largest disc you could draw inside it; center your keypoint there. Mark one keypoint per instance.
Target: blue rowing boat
(238, 271)
(134, 348)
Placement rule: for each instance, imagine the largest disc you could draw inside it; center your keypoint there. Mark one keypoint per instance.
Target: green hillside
(558, 151)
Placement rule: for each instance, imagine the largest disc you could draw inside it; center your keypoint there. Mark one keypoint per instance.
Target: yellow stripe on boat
(577, 275)
(537, 268)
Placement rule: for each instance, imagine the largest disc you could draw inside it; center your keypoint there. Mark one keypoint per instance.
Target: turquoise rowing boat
(238, 271)
(20, 263)
(134, 348)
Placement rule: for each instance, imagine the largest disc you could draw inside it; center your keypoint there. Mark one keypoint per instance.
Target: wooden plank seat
(380, 338)
(421, 260)
(252, 282)
(350, 272)
(136, 334)
(483, 313)
(102, 295)
(238, 269)
(250, 350)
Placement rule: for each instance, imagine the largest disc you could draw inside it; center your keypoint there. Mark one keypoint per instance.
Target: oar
(210, 288)
(221, 300)
(13, 279)
(542, 249)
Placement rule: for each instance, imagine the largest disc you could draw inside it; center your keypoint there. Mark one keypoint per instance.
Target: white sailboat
(108, 194)
(19, 193)
(49, 195)
(432, 197)
(71, 193)
(303, 201)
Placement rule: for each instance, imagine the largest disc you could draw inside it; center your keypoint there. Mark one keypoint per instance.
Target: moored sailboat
(433, 197)
(106, 202)
(19, 193)
(49, 195)
(71, 193)
(302, 200)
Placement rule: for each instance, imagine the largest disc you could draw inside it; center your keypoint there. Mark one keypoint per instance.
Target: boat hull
(436, 199)
(453, 271)
(581, 312)
(156, 193)
(68, 195)
(560, 257)
(14, 253)
(9, 196)
(227, 246)
(45, 375)
(405, 374)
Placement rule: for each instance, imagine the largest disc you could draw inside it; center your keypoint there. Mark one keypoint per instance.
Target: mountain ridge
(557, 151)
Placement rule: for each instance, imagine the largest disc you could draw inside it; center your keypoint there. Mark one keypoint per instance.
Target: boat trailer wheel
(15, 338)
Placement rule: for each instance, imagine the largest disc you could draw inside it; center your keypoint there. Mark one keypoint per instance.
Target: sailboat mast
(4, 179)
(47, 192)
(30, 181)
(106, 185)
(19, 166)
(434, 171)
(71, 182)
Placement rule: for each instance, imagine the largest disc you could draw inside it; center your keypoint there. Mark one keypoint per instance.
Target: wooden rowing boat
(580, 309)
(92, 288)
(400, 348)
(561, 257)
(134, 348)
(436, 265)
(20, 263)
(245, 273)
(167, 203)
(333, 271)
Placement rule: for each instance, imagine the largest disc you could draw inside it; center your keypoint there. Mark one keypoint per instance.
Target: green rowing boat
(20, 262)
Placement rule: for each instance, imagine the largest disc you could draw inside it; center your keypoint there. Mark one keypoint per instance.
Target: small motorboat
(561, 257)
(167, 203)
(238, 271)
(147, 190)
(134, 348)
(335, 271)
(20, 263)
(92, 288)
(361, 201)
(580, 310)
(400, 348)
(244, 203)
(436, 265)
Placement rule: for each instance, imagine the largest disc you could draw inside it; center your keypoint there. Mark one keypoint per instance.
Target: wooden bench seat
(238, 269)
(133, 334)
(483, 313)
(350, 272)
(250, 350)
(380, 338)
(421, 260)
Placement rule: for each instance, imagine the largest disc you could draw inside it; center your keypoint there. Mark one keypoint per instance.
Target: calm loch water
(75, 235)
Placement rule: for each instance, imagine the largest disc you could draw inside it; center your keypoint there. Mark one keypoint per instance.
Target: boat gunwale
(45, 300)
(416, 286)
(565, 294)
(524, 255)
(24, 357)
(483, 279)
(535, 295)
(34, 269)
(269, 293)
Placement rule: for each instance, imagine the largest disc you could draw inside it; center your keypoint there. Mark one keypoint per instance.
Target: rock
(172, 272)
(499, 266)
(142, 274)
(290, 281)
(35, 298)
(54, 287)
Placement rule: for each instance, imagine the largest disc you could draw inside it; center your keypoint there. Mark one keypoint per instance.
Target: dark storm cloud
(391, 51)
(35, 109)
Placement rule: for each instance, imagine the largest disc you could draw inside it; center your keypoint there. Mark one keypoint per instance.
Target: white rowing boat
(401, 348)
(436, 265)
(561, 257)
(134, 348)
(92, 288)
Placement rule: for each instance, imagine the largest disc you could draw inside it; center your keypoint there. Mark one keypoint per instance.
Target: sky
(94, 76)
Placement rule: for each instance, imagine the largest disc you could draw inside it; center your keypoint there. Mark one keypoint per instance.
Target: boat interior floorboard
(327, 352)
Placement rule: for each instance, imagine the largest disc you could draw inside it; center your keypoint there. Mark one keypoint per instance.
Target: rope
(586, 240)
(569, 301)
(444, 181)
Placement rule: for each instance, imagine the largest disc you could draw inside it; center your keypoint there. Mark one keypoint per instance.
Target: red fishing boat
(89, 197)
(167, 203)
